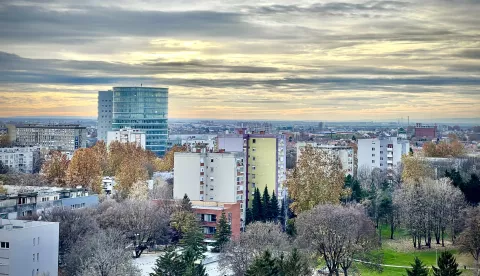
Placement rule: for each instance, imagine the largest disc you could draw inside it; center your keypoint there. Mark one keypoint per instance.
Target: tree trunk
(443, 235)
(392, 229)
(345, 272)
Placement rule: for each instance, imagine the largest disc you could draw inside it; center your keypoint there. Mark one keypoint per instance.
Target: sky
(250, 59)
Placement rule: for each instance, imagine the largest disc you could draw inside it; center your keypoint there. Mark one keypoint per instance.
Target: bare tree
(469, 240)
(142, 222)
(429, 208)
(161, 190)
(74, 224)
(238, 254)
(338, 234)
(102, 253)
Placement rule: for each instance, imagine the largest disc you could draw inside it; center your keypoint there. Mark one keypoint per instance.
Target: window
(34, 257)
(373, 161)
(254, 140)
(253, 149)
(373, 154)
(38, 257)
(211, 169)
(211, 160)
(253, 167)
(253, 158)
(33, 241)
(4, 245)
(373, 149)
(33, 272)
(381, 152)
(38, 241)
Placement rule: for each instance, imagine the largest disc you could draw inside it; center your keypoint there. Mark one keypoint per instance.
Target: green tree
(471, 190)
(257, 206)
(291, 229)
(222, 236)
(186, 205)
(266, 205)
(274, 208)
(295, 265)
(192, 266)
(169, 264)
(418, 269)
(193, 244)
(265, 265)
(447, 265)
(248, 216)
(356, 190)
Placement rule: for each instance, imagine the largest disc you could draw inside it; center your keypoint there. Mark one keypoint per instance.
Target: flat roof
(13, 224)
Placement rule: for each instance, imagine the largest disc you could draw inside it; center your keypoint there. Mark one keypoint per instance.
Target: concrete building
(105, 111)
(28, 248)
(426, 131)
(207, 176)
(127, 135)
(20, 159)
(345, 154)
(266, 162)
(53, 137)
(23, 201)
(145, 109)
(209, 213)
(382, 153)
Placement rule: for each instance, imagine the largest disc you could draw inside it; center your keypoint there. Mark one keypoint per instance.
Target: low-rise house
(209, 213)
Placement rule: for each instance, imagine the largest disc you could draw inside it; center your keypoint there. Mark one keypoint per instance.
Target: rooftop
(13, 224)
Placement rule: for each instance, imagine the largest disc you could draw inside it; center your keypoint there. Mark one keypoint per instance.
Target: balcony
(390, 149)
(390, 154)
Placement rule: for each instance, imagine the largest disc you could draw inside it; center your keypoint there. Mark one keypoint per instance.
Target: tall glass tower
(144, 108)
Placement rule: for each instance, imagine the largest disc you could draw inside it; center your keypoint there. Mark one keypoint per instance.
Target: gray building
(28, 248)
(20, 159)
(52, 137)
(105, 108)
(28, 200)
(145, 109)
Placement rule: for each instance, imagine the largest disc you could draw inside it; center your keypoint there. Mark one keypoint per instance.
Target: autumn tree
(317, 179)
(55, 168)
(139, 191)
(4, 141)
(415, 169)
(84, 170)
(337, 234)
(101, 155)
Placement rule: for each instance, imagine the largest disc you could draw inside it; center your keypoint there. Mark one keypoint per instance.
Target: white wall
(19, 256)
(186, 177)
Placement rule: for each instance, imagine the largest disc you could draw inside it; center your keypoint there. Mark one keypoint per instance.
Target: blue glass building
(144, 108)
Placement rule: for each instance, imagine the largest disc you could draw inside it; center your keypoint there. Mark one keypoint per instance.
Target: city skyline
(323, 60)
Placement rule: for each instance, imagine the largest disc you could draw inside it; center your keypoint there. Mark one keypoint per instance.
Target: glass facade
(144, 108)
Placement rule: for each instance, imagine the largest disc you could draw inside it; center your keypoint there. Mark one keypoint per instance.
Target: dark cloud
(470, 54)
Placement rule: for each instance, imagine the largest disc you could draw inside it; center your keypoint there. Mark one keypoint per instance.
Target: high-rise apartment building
(208, 176)
(145, 109)
(20, 159)
(51, 137)
(345, 154)
(265, 156)
(127, 135)
(105, 108)
(383, 153)
(28, 248)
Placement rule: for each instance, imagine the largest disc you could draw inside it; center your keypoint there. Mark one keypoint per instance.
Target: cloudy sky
(250, 59)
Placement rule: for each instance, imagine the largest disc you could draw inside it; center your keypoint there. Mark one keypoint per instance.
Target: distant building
(28, 248)
(23, 201)
(209, 214)
(108, 183)
(105, 111)
(53, 137)
(20, 159)
(207, 176)
(266, 162)
(382, 153)
(345, 154)
(127, 135)
(145, 109)
(425, 131)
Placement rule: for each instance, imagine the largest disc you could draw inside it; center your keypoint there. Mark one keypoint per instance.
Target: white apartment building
(20, 159)
(105, 109)
(127, 135)
(210, 176)
(346, 154)
(28, 248)
(383, 153)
